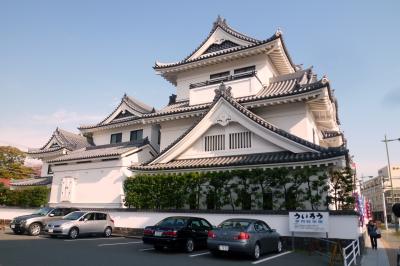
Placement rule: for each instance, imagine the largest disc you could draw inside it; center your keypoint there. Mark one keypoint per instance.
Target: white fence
(351, 252)
(340, 226)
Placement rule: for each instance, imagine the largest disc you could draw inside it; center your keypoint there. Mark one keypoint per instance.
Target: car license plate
(158, 233)
(223, 248)
(13, 226)
(50, 230)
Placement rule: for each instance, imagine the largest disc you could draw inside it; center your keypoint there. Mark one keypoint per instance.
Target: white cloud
(62, 116)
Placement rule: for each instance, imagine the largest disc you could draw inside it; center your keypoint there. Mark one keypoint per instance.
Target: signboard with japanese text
(313, 222)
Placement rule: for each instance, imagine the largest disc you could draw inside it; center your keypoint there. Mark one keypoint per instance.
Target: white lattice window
(214, 143)
(240, 140)
(67, 186)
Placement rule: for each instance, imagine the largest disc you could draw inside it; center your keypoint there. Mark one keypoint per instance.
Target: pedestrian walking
(372, 230)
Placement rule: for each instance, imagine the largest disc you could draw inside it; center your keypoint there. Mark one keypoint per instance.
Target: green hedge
(28, 197)
(278, 189)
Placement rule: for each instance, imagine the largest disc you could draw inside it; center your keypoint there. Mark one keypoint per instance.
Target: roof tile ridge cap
(186, 132)
(138, 102)
(213, 29)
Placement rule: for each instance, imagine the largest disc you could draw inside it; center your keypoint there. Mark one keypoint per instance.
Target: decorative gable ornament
(223, 120)
(222, 90)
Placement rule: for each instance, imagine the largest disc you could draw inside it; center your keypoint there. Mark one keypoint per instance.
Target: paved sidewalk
(374, 257)
(391, 242)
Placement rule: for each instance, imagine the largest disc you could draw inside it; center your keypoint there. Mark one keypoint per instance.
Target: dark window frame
(244, 70)
(133, 132)
(118, 138)
(220, 75)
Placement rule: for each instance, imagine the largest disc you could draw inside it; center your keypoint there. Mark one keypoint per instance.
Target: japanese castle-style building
(240, 103)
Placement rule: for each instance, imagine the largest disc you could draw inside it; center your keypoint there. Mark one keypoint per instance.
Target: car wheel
(256, 252)
(34, 229)
(73, 233)
(189, 245)
(279, 247)
(107, 232)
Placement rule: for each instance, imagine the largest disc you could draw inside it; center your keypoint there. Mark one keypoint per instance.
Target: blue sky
(66, 63)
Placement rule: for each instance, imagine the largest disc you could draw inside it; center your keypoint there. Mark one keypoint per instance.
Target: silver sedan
(81, 223)
(249, 236)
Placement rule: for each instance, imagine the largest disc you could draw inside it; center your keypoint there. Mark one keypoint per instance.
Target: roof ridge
(224, 92)
(221, 23)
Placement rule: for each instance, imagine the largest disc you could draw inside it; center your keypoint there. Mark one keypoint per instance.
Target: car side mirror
(51, 214)
(86, 219)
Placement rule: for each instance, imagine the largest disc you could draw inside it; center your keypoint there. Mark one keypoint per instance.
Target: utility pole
(386, 140)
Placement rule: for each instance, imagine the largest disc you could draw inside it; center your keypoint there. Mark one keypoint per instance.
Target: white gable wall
(258, 145)
(217, 36)
(292, 117)
(96, 184)
(171, 130)
(264, 69)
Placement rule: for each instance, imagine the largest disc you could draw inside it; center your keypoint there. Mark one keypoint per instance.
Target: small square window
(116, 138)
(136, 135)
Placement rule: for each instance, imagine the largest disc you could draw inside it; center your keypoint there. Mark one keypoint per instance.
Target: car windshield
(73, 216)
(234, 224)
(173, 221)
(43, 211)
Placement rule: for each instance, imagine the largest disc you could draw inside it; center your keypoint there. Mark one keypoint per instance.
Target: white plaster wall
(291, 117)
(171, 130)
(263, 65)
(240, 88)
(97, 184)
(258, 144)
(104, 136)
(340, 226)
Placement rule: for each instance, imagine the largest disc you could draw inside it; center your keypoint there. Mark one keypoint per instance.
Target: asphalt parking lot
(42, 250)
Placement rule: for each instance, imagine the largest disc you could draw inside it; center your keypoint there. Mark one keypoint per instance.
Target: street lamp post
(384, 203)
(386, 140)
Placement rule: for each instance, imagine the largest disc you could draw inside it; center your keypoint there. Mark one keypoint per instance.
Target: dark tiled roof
(218, 53)
(331, 134)
(101, 151)
(135, 104)
(36, 181)
(222, 92)
(65, 139)
(244, 160)
(221, 23)
(274, 90)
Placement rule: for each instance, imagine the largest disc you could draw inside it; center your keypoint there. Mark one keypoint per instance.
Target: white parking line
(273, 257)
(146, 249)
(200, 254)
(92, 239)
(122, 243)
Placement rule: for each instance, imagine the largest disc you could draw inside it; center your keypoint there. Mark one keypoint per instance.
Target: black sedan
(178, 232)
(248, 236)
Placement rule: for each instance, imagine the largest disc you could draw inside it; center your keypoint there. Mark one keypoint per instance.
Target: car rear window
(232, 224)
(101, 216)
(173, 221)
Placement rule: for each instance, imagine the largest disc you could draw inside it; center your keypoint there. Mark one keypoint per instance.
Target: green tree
(12, 163)
(3, 194)
(341, 188)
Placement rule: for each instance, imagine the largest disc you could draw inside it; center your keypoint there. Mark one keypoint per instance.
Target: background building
(372, 189)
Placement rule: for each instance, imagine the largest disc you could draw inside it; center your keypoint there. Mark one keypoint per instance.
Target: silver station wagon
(81, 223)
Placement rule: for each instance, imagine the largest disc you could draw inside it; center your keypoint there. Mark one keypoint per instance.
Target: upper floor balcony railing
(237, 76)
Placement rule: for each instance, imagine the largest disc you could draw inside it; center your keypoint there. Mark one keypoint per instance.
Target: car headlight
(64, 225)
